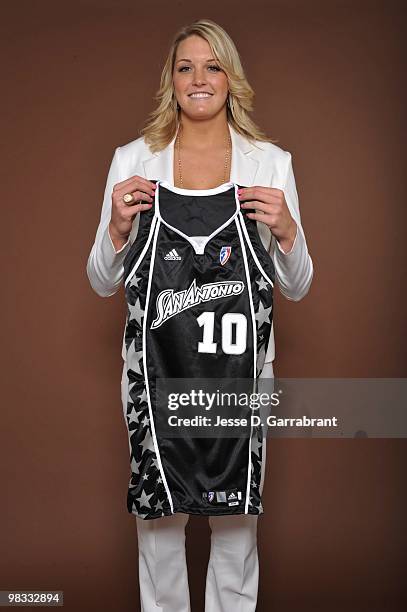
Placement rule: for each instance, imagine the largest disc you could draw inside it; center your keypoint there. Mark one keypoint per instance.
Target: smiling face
(201, 87)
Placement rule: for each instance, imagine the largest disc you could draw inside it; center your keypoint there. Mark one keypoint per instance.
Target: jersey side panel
(262, 275)
(146, 496)
(133, 254)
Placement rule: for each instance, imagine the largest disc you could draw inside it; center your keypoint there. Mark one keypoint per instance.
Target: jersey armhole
(255, 238)
(145, 221)
(259, 249)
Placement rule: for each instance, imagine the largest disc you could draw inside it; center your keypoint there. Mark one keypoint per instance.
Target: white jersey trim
(150, 275)
(198, 192)
(249, 290)
(249, 243)
(144, 251)
(200, 244)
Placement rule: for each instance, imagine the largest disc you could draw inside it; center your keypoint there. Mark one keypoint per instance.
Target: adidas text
(173, 256)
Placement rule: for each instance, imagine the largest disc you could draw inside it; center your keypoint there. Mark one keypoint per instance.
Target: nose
(199, 76)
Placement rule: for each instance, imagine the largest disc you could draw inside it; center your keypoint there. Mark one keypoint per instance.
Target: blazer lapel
(159, 166)
(244, 167)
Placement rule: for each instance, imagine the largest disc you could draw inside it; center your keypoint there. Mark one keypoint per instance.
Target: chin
(203, 117)
(201, 113)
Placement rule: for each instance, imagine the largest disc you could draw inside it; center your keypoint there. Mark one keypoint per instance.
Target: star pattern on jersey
(139, 413)
(143, 396)
(263, 314)
(133, 358)
(130, 387)
(144, 499)
(135, 281)
(132, 416)
(132, 432)
(135, 465)
(135, 311)
(256, 465)
(261, 357)
(262, 284)
(137, 392)
(255, 446)
(147, 442)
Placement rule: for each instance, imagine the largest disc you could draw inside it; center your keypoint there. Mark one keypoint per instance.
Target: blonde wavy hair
(162, 123)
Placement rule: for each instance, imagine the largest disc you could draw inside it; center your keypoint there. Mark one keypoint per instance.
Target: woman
(199, 137)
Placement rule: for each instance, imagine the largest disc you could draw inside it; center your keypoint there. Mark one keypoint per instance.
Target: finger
(136, 179)
(263, 218)
(260, 193)
(137, 195)
(267, 208)
(136, 208)
(131, 211)
(133, 183)
(272, 190)
(249, 204)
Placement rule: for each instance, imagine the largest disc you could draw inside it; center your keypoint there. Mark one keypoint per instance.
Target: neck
(206, 133)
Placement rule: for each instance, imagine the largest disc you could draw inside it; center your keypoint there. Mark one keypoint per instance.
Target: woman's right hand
(123, 214)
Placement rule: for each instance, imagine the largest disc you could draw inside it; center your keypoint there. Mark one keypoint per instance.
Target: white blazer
(265, 165)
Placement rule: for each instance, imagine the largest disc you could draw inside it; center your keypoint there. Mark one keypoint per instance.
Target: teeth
(200, 95)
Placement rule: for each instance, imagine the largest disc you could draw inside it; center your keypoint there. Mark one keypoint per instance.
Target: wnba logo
(224, 254)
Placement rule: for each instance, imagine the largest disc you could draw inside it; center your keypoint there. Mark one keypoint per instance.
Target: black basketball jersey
(199, 291)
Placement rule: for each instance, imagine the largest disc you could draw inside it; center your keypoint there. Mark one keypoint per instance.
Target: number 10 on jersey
(229, 321)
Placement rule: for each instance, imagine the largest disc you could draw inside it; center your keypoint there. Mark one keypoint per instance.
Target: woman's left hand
(273, 212)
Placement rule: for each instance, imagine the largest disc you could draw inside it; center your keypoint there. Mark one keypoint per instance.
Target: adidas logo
(232, 496)
(173, 256)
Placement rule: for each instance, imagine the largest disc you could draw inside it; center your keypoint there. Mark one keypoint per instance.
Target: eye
(214, 68)
(183, 68)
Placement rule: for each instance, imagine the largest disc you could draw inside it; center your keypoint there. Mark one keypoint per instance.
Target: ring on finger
(128, 198)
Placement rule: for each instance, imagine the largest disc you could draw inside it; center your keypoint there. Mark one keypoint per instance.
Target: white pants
(233, 570)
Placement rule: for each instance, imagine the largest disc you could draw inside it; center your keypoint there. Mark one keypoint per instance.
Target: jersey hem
(198, 512)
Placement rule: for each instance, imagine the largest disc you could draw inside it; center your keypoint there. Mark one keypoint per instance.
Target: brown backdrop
(78, 80)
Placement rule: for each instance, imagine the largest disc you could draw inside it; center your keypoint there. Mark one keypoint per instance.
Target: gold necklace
(227, 157)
